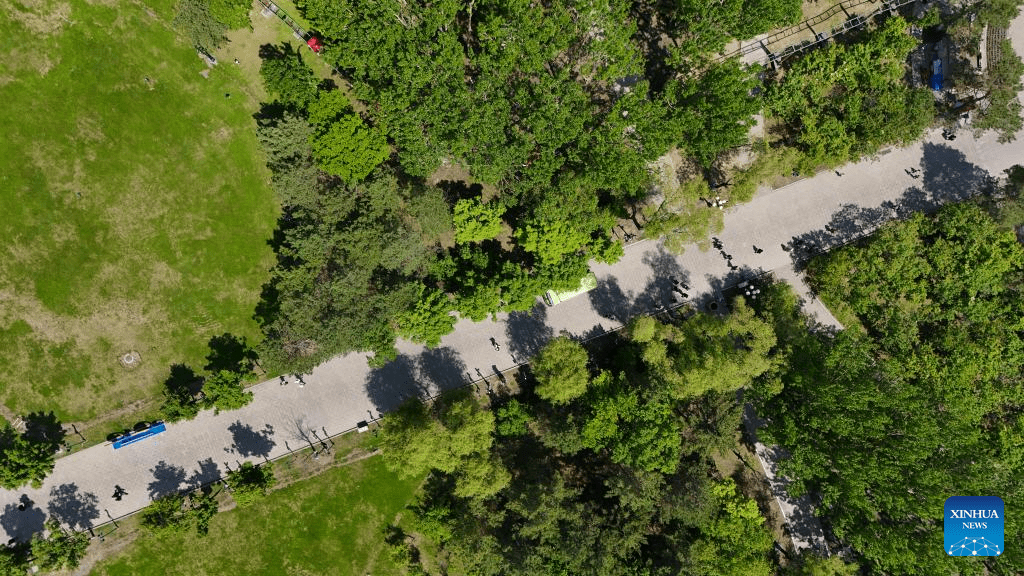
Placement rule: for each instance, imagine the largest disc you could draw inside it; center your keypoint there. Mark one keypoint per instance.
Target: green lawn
(330, 524)
(135, 212)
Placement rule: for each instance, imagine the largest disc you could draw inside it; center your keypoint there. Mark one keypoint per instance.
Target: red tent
(314, 44)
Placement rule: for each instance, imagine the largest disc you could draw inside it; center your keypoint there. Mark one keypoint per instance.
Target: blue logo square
(973, 526)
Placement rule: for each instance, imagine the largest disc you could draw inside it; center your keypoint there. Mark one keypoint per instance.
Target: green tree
(682, 217)
(934, 309)
(708, 354)
(642, 434)
(1001, 83)
(193, 17)
(481, 476)
(250, 483)
(713, 112)
(736, 542)
(203, 508)
(416, 438)
(476, 221)
(513, 419)
(561, 370)
(14, 560)
(760, 16)
(550, 241)
(61, 550)
(998, 13)
(429, 321)
(845, 100)
(810, 564)
(167, 515)
(286, 77)
(23, 460)
(342, 144)
(225, 390)
(179, 513)
(285, 140)
(178, 404)
(233, 14)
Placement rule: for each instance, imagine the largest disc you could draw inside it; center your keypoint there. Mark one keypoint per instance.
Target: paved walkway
(344, 391)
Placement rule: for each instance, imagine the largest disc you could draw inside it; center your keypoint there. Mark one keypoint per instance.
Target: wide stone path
(344, 391)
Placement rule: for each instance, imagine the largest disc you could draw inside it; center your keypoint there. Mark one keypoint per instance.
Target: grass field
(135, 204)
(328, 525)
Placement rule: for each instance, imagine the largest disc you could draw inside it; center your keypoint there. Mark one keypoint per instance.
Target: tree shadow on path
(527, 332)
(658, 293)
(441, 369)
(20, 525)
(610, 301)
(207, 472)
(247, 441)
(946, 177)
(45, 428)
(167, 479)
(74, 509)
(391, 385)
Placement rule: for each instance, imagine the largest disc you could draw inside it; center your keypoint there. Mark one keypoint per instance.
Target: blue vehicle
(936, 79)
(134, 437)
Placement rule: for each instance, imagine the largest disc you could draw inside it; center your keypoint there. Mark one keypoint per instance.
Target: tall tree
(193, 17)
(713, 111)
(23, 460)
(1001, 84)
(561, 370)
(736, 542)
(287, 78)
(845, 100)
(14, 559)
(60, 550)
(224, 390)
(250, 483)
(454, 435)
(476, 221)
(179, 513)
(929, 371)
(343, 144)
(233, 14)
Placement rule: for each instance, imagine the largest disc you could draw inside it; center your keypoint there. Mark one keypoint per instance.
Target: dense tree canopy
(612, 475)
(287, 78)
(893, 415)
(845, 100)
(561, 371)
(179, 513)
(59, 550)
(24, 459)
(198, 22)
(498, 144)
(225, 390)
(250, 483)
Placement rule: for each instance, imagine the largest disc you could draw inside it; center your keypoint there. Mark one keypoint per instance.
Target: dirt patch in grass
(41, 17)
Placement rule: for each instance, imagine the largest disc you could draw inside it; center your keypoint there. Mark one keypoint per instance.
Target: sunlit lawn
(135, 204)
(328, 525)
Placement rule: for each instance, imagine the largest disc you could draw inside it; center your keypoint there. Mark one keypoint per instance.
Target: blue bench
(136, 436)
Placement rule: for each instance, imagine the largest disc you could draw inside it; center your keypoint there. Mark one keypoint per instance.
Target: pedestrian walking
(497, 347)
(757, 250)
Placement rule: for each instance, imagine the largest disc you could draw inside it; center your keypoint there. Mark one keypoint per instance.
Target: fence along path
(854, 21)
(275, 9)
